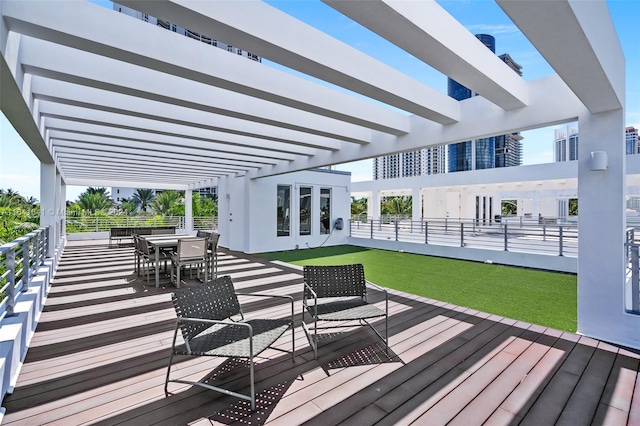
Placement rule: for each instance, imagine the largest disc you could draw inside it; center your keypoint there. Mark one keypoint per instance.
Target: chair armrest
(382, 289)
(266, 295)
(290, 298)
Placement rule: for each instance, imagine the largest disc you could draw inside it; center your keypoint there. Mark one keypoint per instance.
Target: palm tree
(397, 206)
(142, 197)
(94, 201)
(129, 207)
(165, 201)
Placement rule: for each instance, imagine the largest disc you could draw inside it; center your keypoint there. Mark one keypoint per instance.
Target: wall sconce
(599, 160)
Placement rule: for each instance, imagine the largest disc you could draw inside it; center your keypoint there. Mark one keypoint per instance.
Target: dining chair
(190, 252)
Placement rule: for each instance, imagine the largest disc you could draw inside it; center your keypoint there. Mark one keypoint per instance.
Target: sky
(20, 170)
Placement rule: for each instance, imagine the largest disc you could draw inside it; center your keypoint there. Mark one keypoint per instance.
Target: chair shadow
(373, 354)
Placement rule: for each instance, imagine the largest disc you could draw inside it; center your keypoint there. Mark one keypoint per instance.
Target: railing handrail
(21, 257)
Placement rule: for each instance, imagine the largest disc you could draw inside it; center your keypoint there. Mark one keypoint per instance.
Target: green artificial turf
(534, 296)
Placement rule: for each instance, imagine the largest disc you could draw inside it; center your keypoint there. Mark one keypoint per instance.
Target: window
(305, 211)
(283, 209)
(325, 210)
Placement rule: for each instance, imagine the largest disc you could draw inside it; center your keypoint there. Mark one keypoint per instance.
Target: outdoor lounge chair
(344, 290)
(212, 324)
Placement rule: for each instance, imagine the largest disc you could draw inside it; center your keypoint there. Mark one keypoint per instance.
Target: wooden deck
(100, 352)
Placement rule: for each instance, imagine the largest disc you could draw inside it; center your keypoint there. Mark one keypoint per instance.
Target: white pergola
(103, 99)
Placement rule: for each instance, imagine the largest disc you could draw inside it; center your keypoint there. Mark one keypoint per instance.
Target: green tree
(143, 197)
(129, 207)
(400, 205)
(166, 202)
(358, 206)
(18, 216)
(94, 199)
(509, 207)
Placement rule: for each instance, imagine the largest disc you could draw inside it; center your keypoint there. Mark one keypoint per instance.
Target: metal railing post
(426, 232)
(446, 225)
(372, 228)
(635, 278)
(461, 234)
(10, 262)
(560, 241)
(25, 264)
(506, 238)
(396, 222)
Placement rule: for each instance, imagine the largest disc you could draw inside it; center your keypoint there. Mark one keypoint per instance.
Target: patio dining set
(198, 253)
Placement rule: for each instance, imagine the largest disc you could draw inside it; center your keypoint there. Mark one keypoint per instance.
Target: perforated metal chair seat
(233, 341)
(346, 310)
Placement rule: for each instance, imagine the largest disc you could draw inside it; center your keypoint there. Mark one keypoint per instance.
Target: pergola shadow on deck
(100, 352)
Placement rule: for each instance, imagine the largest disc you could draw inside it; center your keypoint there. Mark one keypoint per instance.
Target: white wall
(248, 223)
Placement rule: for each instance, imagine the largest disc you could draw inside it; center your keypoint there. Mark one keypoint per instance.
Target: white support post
(48, 203)
(188, 211)
(63, 208)
(416, 204)
(375, 205)
(601, 264)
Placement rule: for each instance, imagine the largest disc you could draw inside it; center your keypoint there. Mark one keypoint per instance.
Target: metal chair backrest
(215, 300)
(143, 246)
(335, 281)
(192, 249)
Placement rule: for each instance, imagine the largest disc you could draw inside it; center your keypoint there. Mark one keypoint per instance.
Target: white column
(375, 205)
(188, 211)
(59, 217)
(63, 208)
(48, 203)
(602, 260)
(416, 203)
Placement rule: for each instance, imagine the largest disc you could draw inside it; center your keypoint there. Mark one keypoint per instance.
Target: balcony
(100, 351)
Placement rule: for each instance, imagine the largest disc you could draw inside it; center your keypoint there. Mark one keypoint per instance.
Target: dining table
(163, 241)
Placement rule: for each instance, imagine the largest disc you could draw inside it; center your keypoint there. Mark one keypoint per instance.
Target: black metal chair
(346, 288)
(205, 319)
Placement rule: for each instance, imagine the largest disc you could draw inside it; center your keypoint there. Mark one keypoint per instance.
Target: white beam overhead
(272, 34)
(53, 61)
(432, 35)
(109, 33)
(63, 93)
(84, 115)
(568, 26)
(102, 118)
(137, 148)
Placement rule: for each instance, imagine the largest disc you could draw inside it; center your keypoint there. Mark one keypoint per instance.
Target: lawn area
(534, 296)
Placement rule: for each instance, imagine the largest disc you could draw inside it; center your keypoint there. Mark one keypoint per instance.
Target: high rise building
(184, 31)
(426, 161)
(632, 140)
(565, 145)
(486, 153)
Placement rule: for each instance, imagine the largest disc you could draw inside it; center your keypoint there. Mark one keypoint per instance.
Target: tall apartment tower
(565, 144)
(184, 31)
(486, 153)
(426, 161)
(632, 140)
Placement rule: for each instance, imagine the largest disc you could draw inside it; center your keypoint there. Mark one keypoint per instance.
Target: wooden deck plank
(100, 352)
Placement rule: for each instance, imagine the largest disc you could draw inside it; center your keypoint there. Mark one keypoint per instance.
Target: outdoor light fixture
(599, 160)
